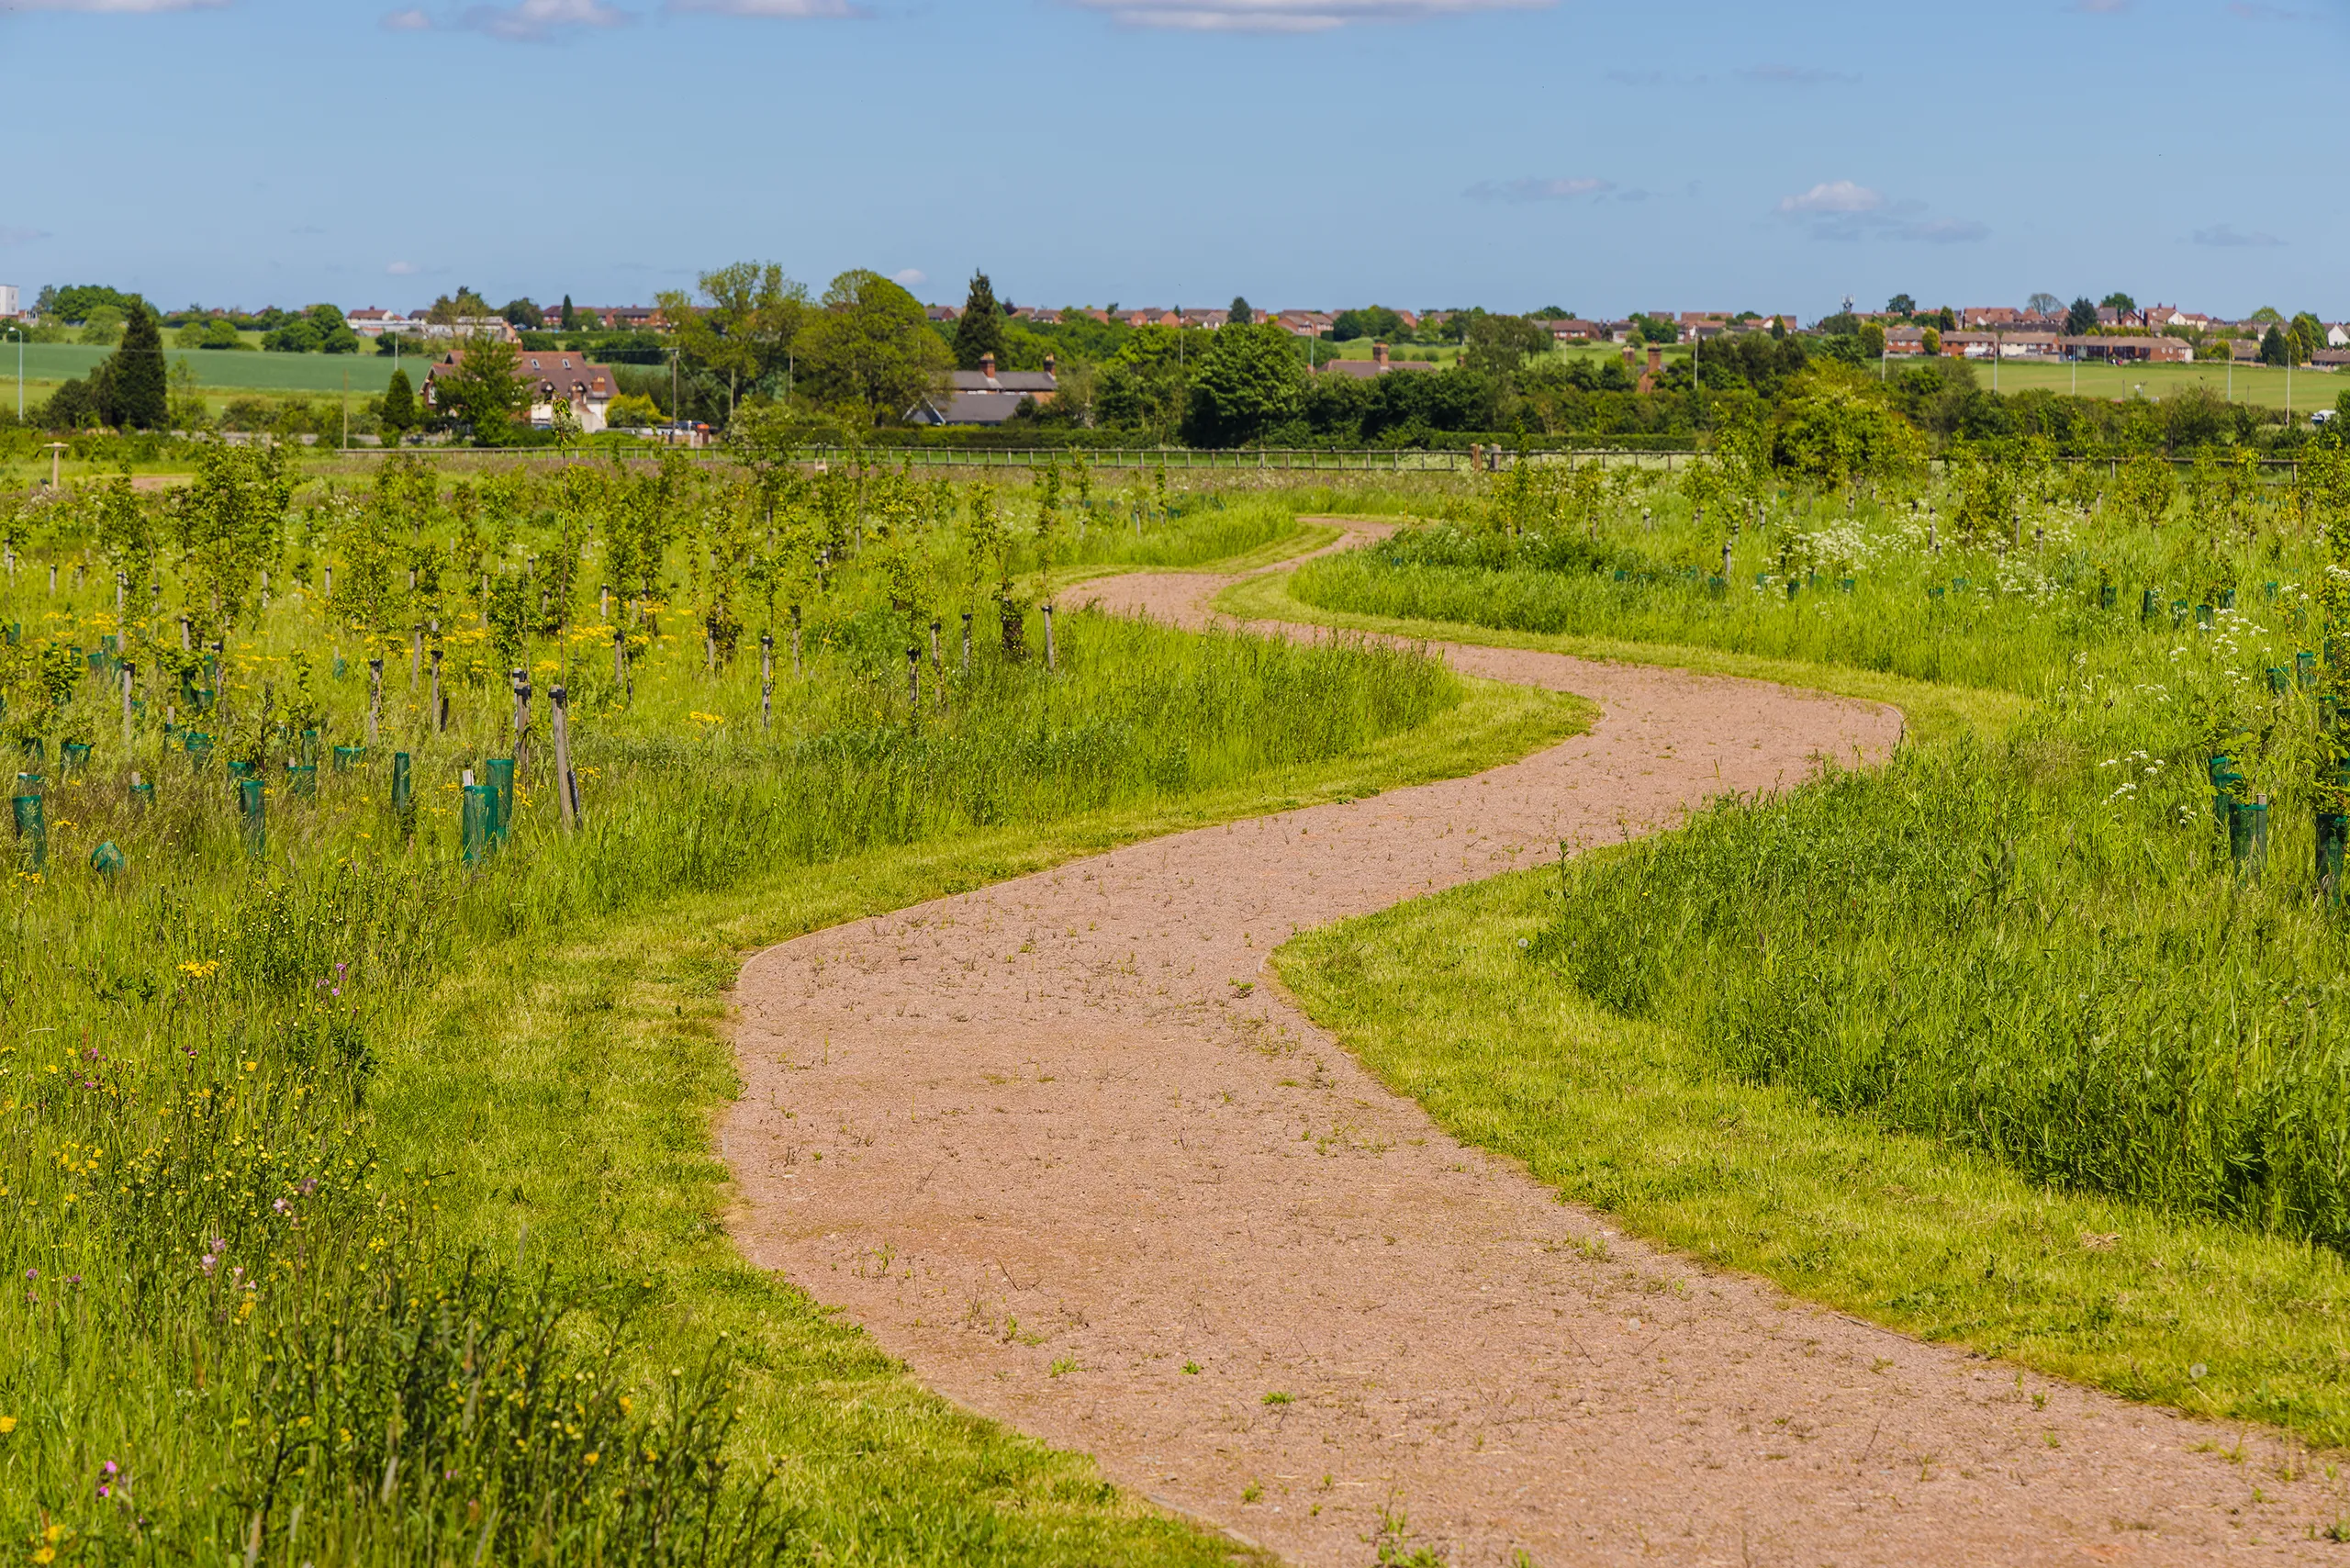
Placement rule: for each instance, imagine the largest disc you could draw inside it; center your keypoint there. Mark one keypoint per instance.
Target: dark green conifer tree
(399, 408)
(138, 395)
(980, 331)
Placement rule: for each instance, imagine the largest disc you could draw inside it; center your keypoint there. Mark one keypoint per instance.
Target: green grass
(567, 1089)
(281, 1134)
(2310, 389)
(1931, 711)
(221, 369)
(1438, 998)
(1992, 1046)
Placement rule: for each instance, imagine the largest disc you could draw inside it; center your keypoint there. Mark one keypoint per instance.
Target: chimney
(987, 366)
(1051, 361)
(1378, 356)
(1656, 359)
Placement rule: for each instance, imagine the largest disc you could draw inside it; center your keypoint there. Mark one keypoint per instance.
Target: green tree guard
(105, 859)
(479, 821)
(501, 778)
(32, 831)
(2333, 831)
(2248, 837)
(248, 795)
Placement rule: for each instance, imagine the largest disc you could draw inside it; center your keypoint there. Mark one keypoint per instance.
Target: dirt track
(1062, 1147)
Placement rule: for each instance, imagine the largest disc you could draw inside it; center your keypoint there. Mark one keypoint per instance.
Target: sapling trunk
(374, 699)
(567, 786)
(767, 681)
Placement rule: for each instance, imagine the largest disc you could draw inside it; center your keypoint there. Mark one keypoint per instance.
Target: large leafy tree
(1500, 345)
(869, 354)
(980, 331)
(1248, 382)
(2080, 317)
(138, 391)
(485, 389)
(450, 308)
(744, 331)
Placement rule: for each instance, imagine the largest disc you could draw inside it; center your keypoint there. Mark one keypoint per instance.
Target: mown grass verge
(565, 1096)
(1437, 999)
(1932, 712)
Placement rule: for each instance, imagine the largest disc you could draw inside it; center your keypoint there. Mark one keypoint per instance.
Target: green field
(215, 369)
(2310, 389)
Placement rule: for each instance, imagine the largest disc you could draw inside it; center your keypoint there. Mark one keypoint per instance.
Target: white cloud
(913, 277)
(407, 22)
(1569, 188)
(2102, 7)
(115, 7)
(2227, 235)
(535, 21)
(1847, 211)
(402, 269)
(1290, 15)
(794, 10)
(1833, 197)
(1798, 76)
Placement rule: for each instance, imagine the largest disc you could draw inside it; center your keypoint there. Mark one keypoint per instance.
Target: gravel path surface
(1063, 1146)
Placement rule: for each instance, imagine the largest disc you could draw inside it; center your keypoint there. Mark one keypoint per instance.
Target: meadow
(363, 1202)
(2028, 1040)
(223, 370)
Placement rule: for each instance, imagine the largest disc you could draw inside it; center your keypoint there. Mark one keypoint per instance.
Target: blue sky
(1514, 153)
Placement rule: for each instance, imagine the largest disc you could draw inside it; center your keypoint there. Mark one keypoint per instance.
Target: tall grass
(1967, 613)
(238, 1322)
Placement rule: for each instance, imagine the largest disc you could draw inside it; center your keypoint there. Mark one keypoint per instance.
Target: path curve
(1063, 1146)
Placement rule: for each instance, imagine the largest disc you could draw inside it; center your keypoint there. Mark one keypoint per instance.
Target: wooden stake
(439, 709)
(567, 783)
(375, 697)
(1050, 663)
(521, 720)
(767, 681)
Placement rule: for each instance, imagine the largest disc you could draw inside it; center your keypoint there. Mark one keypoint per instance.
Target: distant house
(2330, 359)
(549, 374)
(462, 327)
(1905, 341)
(373, 322)
(621, 317)
(986, 396)
(1575, 329)
(1376, 365)
(2005, 345)
(2337, 336)
(1036, 316)
(1305, 323)
(2127, 350)
(943, 314)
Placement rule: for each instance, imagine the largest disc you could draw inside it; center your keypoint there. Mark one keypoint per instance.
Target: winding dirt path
(1062, 1147)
